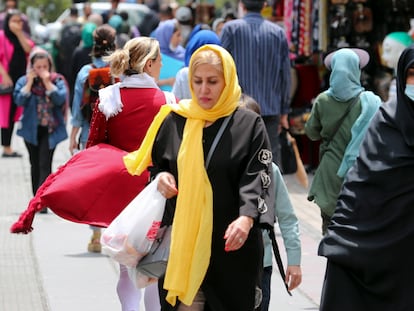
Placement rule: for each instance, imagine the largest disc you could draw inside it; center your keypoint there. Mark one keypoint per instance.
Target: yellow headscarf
(193, 221)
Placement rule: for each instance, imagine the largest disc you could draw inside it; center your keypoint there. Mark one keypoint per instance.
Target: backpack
(98, 78)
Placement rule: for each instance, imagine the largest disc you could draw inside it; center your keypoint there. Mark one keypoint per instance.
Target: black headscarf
(18, 61)
(372, 230)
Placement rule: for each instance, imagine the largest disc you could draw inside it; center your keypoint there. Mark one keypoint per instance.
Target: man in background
(260, 50)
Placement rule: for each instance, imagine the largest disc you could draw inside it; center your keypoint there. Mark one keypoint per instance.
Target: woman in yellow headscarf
(216, 249)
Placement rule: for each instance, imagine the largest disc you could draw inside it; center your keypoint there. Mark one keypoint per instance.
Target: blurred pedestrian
(181, 87)
(217, 25)
(184, 16)
(113, 10)
(288, 224)
(216, 250)
(87, 11)
(14, 5)
(168, 34)
(43, 94)
(368, 242)
(82, 55)
(339, 118)
(96, 19)
(69, 39)
(260, 50)
(15, 46)
(103, 45)
(117, 23)
(393, 45)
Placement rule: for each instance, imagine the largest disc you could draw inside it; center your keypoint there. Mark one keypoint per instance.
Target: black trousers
(6, 133)
(272, 127)
(40, 158)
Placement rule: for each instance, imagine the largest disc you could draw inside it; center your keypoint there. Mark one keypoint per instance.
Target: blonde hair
(131, 59)
(206, 57)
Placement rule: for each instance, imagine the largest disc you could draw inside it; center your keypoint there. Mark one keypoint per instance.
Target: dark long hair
(18, 61)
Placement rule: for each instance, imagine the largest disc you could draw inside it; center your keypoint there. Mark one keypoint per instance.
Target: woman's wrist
(247, 219)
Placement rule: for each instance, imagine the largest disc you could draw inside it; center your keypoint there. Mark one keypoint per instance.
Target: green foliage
(50, 9)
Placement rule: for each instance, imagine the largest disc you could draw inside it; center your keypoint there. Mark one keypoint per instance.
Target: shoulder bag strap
(278, 258)
(216, 139)
(341, 120)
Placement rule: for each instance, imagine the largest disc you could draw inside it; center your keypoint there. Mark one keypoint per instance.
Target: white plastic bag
(130, 235)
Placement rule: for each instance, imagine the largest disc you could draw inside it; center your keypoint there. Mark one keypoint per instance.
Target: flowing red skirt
(93, 187)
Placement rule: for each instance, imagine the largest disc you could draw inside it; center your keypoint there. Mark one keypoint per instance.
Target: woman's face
(15, 23)
(155, 68)
(410, 76)
(207, 83)
(219, 28)
(40, 65)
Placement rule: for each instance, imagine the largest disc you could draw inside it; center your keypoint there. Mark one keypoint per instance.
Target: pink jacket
(6, 52)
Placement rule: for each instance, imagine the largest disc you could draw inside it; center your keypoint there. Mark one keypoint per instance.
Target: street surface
(51, 270)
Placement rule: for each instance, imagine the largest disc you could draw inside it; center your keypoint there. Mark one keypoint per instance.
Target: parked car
(136, 15)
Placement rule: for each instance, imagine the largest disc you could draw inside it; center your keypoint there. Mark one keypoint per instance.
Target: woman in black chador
(368, 244)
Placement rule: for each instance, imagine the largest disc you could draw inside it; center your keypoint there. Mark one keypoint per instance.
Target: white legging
(130, 296)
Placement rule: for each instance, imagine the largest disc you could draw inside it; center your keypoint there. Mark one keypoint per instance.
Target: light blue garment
(409, 91)
(369, 106)
(77, 117)
(181, 87)
(169, 69)
(288, 224)
(345, 78)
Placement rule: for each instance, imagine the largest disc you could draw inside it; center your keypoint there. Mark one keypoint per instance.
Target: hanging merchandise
(340, 26)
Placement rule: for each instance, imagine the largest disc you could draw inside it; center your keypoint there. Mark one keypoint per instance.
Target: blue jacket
(78, 120)
(29, 121)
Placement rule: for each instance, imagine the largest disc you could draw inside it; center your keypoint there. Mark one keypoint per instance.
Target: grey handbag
(154, 263)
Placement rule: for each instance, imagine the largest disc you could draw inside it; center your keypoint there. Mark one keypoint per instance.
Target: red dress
(93, 187)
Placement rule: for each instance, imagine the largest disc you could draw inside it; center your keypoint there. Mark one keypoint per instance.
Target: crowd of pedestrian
(201, 105)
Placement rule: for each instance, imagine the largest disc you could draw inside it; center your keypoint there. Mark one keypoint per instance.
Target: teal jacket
(288, 224)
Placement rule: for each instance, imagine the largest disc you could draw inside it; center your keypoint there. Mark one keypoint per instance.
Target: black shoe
(43, 211)
(14, 154)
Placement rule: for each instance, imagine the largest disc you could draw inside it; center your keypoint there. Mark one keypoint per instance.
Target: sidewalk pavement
(50, 269)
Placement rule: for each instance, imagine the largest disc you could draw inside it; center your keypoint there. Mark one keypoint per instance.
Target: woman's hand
(237, 233)
(16, 27)
(293, 277)
(31, 76)
(44, 75)
(167, 185)
(7, 81)
(73, 146)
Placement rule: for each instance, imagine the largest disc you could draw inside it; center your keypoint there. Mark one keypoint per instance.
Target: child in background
(288, 224)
